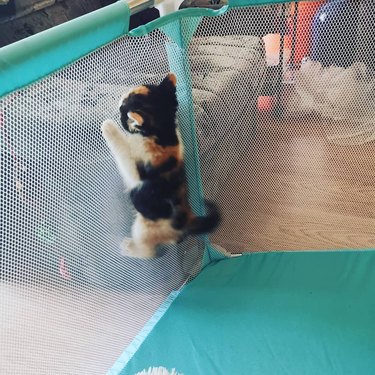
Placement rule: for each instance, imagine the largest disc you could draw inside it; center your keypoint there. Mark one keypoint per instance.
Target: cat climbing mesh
(278, 126)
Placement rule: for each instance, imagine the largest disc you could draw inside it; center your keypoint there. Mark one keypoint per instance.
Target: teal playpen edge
(38, 56)
(121, 364)
(132, 348)
(319, 303)
(32, 59)
(342, 250)
(179, 64)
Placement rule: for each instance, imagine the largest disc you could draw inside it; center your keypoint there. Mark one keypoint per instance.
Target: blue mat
(277, 313)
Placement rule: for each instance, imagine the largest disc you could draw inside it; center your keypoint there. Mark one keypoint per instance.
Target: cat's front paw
(109, 129)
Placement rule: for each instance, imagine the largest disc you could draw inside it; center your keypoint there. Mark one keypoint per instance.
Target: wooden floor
(294, 190)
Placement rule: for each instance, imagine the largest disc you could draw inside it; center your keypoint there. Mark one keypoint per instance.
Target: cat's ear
(169, 82)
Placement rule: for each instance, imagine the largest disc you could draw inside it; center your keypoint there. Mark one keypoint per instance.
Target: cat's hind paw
(130, 249)
(127, 247)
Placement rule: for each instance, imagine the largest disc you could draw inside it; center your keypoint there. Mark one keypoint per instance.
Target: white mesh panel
(70, 303)
(298, 176)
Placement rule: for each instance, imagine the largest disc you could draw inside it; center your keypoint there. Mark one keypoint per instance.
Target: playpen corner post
(177, 51)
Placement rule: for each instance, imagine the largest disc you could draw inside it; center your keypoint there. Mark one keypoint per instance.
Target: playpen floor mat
(275, 313)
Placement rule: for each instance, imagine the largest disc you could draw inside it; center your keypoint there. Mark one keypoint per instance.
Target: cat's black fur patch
(151, 201)
(158, 110)
(180, 218)
(156, 196)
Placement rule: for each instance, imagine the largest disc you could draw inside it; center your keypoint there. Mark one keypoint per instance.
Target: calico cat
(149, 157)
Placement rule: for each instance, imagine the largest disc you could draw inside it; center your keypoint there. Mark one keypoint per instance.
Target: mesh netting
(270, 158)
(286, 151)
(70, 301)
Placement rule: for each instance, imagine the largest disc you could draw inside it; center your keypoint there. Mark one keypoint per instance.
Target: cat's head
(150, 110)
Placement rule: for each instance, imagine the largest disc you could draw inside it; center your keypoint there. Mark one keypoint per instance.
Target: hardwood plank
(294, 190)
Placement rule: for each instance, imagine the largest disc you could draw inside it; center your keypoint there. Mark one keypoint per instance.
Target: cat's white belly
(138, 151)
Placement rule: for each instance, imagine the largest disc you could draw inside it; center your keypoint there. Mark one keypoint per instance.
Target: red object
(266, 103)
(302, 34)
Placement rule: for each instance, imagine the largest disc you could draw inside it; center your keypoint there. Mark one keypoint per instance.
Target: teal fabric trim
(215, 254)
(139, 339)
(24, 62)
(179, 64)
(31, 59)
(211, 255)
(207, 257)
(182, 38)
(274, 314)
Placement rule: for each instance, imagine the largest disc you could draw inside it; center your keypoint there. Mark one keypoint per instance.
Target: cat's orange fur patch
(140, 90)
(161, 154)
(172, 77)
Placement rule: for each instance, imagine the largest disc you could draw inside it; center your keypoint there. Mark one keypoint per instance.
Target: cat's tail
(205, 224)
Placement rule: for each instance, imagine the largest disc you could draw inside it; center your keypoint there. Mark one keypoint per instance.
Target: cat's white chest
(138, 149)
